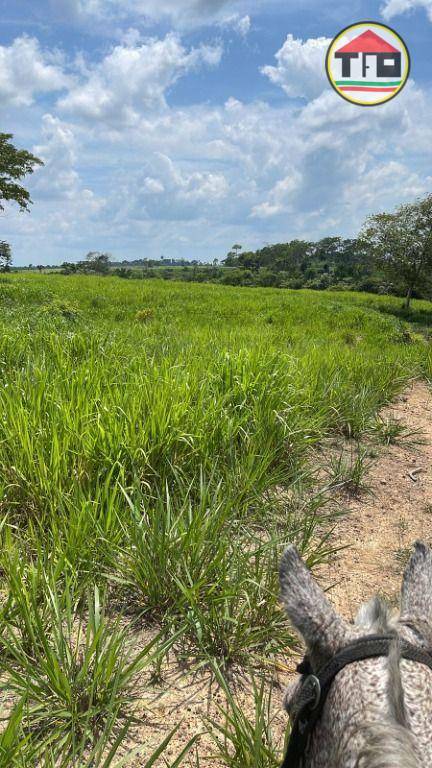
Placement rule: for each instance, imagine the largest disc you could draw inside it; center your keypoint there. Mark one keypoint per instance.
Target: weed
(391, 431)
(350, 472)
(402, 555)
(189, 565)
(242, 742)
(144, 315)
(73, 669)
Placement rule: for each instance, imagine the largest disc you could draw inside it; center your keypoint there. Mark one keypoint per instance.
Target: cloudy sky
(178, 127)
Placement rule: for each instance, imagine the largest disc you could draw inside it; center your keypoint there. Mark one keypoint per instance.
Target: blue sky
(178, 127)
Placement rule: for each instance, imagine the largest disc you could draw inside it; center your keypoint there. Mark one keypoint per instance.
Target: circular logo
(368, 63)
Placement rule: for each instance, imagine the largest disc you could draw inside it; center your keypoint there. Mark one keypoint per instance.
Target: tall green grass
(155, 440)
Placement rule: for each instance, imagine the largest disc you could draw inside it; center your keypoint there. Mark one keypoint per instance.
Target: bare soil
(377, 535)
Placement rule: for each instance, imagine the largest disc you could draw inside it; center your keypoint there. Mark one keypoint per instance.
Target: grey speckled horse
(379, 711)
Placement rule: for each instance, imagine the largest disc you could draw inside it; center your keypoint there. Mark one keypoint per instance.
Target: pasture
(158, 449)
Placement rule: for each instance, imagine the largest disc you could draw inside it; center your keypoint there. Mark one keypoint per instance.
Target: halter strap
(315, 687)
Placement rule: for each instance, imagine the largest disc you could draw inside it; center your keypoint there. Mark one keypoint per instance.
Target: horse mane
(389, 743)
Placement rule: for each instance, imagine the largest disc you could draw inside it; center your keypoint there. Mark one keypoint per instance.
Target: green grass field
(155, 443)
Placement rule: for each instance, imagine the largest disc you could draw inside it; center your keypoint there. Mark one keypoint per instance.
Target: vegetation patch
(151, 474)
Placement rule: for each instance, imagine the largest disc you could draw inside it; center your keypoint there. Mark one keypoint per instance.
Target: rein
(316, 687)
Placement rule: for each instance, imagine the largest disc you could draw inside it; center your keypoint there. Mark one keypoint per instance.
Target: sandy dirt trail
(381, 528)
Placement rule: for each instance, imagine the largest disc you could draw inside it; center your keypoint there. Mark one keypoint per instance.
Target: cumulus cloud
(67, 211)
(58, 177)
(59, 180)
(171, 192)
(280, 198)
(239, 24)
(134, 78)
(180, 13)
(395, 7)
(265, 173)
(124, 167)
(26, 70)
(376, 185)
(300, 68)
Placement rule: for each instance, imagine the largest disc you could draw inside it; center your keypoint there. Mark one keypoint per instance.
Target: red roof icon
(368, 42)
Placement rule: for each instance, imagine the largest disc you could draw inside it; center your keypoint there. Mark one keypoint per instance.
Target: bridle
(315, 686)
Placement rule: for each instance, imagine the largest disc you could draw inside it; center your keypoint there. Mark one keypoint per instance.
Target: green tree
(14, 165)
(97, 262)
(5, 256)
(232, 256)
(401, 243)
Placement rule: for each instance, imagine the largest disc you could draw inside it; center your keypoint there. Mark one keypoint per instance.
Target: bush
(124, 273)
(61, 309)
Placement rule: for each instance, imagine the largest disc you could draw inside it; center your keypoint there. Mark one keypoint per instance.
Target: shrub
(61, 309)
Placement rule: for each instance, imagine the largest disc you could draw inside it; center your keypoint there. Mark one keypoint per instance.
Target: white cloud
(239, 24)
(251, 170)
(300, 69)
(152, 186)
(140, 176)
(171, 192)
(133, 79)
(178, 12)
(374, 188)
(396, 7)
(66, 211)
(58, 177)
(280, 197)
(26, 70)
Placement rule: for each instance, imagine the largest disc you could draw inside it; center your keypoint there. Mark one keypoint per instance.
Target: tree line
(392, 253)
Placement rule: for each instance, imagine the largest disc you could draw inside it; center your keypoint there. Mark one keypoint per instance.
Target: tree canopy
(14, 165)
(401, 243)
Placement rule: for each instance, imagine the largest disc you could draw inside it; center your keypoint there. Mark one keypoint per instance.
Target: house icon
(377, 57)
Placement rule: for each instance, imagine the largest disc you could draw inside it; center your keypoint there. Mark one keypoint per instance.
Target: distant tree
(232, 256)
(293, 257)
(97, 262)
(327, 249)
(231, 259)
(123, 272)
(14, 165)
(401, 243)
(267, 278)
(249, 260)
(5, 256)
(69, 268)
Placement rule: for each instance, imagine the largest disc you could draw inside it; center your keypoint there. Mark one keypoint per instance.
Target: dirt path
(381, 528)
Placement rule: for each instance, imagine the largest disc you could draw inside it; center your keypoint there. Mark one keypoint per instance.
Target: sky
(177, 128)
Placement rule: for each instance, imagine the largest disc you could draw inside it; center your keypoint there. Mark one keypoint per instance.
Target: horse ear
(416, 598)
(323, 630)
